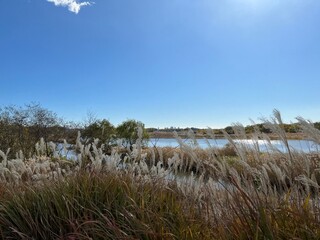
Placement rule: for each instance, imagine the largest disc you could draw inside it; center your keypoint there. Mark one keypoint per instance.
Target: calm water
(299, 145)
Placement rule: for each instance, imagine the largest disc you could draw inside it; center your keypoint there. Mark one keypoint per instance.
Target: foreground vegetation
(164, 193)
(98, 206)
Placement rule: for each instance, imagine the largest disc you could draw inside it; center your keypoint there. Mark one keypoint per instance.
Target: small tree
(103, 130)
(317, 125)
(22, 127)
(229, 130)
(42, 122)
(128, 132)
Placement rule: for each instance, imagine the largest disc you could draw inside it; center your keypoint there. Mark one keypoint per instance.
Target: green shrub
(128, 131)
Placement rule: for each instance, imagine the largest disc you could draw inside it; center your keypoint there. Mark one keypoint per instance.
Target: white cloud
(73, 5)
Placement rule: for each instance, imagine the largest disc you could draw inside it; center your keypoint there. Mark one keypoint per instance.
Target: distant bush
(128, 131)
(261, 127)
(101, 129)
(317, 125)
(229, 130)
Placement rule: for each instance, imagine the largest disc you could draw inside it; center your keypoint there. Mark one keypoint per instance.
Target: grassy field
(165, 193)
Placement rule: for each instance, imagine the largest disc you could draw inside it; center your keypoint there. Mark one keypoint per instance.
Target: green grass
(110, 206)
(99, 207)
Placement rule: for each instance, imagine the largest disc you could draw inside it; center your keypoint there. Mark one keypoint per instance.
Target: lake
(299, 145)
(306, 146)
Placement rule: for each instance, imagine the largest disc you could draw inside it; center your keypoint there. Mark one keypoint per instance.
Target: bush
(103, 130)
(128, 132)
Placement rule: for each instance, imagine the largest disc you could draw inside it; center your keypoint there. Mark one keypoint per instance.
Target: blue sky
(166, 63)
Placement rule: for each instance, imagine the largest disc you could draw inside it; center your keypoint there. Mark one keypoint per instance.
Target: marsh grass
(165, 193)
(98, 206)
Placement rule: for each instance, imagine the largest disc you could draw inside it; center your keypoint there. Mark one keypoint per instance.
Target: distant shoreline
(272, 136)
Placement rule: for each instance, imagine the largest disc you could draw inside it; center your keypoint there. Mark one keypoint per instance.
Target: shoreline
(272, 136)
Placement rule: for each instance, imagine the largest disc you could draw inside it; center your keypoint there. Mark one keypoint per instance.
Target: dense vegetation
(22, 127)
(163, 193)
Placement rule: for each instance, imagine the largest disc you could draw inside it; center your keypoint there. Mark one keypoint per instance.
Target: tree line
(288, 128)
(22, 127)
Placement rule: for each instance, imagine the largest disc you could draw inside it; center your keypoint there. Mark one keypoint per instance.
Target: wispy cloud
(73, 5)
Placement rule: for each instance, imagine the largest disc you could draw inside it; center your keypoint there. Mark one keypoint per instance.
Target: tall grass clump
(95, 206)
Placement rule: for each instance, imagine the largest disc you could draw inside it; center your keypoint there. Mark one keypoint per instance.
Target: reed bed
(165, 193)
